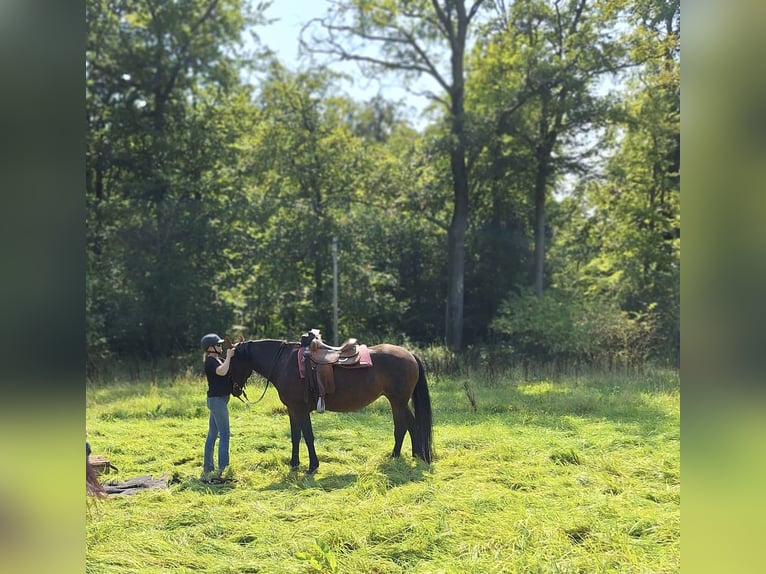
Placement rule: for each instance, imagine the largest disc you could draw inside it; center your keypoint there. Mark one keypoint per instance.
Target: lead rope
(246, 400)
(268, 379)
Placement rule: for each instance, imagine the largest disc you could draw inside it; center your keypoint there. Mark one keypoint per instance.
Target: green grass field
(573, 474)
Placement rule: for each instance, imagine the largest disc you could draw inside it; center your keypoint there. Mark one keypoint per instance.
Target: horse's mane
(248, 344)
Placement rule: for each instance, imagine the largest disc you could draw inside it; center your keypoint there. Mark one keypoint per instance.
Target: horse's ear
(241, 339)
(229, 345)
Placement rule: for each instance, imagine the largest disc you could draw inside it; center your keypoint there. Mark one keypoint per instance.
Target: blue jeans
(218, 426)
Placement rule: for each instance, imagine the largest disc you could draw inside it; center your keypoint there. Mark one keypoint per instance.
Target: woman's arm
(223, 368)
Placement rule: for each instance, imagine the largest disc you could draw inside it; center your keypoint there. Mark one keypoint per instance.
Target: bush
(559, 326)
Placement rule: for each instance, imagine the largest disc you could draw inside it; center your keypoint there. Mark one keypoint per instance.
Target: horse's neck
(269, 356)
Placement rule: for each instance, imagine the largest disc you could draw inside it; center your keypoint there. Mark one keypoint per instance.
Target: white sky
(283, 38)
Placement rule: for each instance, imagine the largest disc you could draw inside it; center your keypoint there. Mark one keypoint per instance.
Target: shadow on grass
(300, 480)
(196, 485)
(399, 471)
(396, 471)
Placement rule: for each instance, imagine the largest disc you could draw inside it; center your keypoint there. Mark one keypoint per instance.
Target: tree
(411, 37)
(622, 242)
(535, 74)
(320, 168)
(159, 75)
(307, 169)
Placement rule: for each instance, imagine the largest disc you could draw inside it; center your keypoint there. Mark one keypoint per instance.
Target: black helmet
(210, 339)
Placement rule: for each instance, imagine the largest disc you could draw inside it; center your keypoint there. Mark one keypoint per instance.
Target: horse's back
(388, 349)
(397, 360)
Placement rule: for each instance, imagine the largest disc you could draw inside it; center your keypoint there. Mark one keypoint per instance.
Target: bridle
(268, 379)
(276, 360)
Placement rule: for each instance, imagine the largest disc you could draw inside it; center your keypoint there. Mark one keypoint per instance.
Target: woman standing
(218, 393)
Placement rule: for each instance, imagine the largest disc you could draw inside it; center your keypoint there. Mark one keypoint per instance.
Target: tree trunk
(456, 250)
(459, 223)
(540, 184)
(407, 46)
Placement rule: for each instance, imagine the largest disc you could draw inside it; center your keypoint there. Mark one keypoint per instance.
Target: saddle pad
(364, 360)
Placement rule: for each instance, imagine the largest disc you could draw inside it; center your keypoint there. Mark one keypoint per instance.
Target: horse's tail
(423, 422)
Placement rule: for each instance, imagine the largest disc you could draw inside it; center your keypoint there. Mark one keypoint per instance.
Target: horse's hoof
(312, 469)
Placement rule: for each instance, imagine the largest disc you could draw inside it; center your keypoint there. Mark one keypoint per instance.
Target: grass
(578, 474)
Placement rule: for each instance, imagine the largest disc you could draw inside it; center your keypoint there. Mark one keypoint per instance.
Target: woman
(218, 393)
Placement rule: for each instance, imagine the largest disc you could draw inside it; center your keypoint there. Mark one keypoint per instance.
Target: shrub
(559, 326)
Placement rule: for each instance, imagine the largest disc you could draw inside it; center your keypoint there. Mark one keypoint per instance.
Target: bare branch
(559, 31)
(578, 15)
(474, 8)
(391, 36)
(445, 22)
(427, 61)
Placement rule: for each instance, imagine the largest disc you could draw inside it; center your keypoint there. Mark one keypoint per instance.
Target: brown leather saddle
(322, 353)
(320, 358)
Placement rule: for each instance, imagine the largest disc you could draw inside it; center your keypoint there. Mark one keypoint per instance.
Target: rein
(274, 364)
(268, 379)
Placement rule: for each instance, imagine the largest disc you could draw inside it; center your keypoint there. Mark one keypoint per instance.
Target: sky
(282, 37)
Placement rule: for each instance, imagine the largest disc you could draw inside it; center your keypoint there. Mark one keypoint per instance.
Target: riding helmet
(210, 339)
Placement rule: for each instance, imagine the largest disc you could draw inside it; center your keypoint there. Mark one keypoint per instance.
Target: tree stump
(101, 464)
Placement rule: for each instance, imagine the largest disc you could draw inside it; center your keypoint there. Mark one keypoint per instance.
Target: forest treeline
(534, 207)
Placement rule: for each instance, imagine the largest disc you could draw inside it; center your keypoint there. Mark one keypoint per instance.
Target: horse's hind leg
(404, 422)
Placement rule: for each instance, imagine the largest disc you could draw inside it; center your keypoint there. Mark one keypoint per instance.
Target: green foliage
(559, 326)
(620, 234)
(317, 180)
(212, 204)
(533, 92)
(161, 82)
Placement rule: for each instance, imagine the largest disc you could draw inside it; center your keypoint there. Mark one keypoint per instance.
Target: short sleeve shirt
(217, 385)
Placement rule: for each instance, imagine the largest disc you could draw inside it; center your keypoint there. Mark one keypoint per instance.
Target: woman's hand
(223, 368)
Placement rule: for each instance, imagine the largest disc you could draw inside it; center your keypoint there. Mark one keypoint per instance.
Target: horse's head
(240, 367)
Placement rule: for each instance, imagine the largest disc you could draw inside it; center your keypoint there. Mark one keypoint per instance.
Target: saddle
(322, 353)
(320, 358)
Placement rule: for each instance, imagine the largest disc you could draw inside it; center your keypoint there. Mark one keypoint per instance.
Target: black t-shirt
(217, 385)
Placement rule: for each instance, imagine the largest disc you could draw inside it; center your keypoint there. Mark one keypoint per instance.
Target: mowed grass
(578, 474)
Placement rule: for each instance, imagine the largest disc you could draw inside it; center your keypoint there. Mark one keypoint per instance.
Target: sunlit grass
(577, 474)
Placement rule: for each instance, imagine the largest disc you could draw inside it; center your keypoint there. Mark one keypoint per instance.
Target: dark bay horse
(395, 374)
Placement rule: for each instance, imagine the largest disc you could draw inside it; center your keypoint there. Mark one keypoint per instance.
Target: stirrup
(320, 405)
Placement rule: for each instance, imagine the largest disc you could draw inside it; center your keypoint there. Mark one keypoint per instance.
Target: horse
(395, 373)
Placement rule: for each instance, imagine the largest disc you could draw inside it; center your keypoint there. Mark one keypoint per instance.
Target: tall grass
(579, 473)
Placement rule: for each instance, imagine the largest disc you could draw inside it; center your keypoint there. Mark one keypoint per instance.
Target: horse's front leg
(295, 437)
(308, 436)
